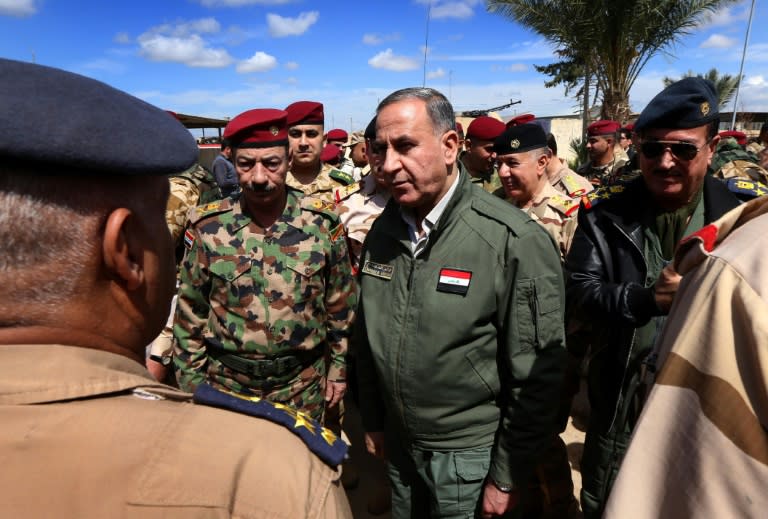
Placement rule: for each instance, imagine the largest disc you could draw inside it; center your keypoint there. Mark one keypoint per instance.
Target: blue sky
(220, 57)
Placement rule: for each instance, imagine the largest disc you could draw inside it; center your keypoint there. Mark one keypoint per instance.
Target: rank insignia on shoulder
(567, 206)
(342, 177)
(189, 239)
(590, 200)
(345, 192)
(321, 441)
(213, 206)
(746, 189)
(573, 187)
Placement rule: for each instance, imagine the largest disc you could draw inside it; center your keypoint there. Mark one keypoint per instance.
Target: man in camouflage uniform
(522, 156)
(563, 178)
(478, 157)
(359, 204)
(266, 294)
(732, 161)
(355, 162)
(308, 174)
(606, 158)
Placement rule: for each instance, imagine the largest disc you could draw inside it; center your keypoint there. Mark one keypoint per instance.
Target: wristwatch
(164, 360)
(502, 487)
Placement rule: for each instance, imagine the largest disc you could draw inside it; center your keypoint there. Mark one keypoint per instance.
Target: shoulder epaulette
(600, 194)
(746, 189)
(342, 193)
(321, 441)
(316, 205)
(572, 186)
(567, 206)
(340, 176)
(206, 210)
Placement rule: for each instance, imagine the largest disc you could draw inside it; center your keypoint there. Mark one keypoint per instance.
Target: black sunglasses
(681, 150)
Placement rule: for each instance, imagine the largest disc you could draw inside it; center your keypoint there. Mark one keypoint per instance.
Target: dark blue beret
(688, 103)
(520, 138)
(71, 124)
(370, 130)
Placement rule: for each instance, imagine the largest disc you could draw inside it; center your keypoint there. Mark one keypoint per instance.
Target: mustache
(258, 188)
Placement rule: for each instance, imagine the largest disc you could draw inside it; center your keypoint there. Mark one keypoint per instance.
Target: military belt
(279, 368)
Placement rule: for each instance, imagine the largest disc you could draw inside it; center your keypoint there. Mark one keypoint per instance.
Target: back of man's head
(82, 198)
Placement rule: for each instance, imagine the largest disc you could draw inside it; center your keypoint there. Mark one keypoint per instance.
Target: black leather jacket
(606, 271)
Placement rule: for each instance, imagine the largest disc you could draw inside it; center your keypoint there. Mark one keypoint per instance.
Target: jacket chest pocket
(232, 282)
(304, 276)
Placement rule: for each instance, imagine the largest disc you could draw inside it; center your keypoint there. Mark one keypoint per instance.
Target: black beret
(688, 103)
(69, 123)
(520, 138)
(370, 130)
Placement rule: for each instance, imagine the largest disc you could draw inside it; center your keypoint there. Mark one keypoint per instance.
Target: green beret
(520, 138)
(688, 103)
(66, 123)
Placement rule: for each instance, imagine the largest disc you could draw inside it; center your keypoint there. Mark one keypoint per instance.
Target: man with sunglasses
(620, 282)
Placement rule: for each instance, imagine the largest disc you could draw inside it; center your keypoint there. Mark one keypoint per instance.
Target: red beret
(740, 137)
(259, 128)
(630, 127)
(485, 128)
(337, 135)
(603, 127)
(330, 152)
(520, 119)
(305, 112)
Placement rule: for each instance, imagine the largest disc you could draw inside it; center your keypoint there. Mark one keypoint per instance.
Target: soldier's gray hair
(439, 108)
(50, 228)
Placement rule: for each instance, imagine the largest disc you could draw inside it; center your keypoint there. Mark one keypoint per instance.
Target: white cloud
(756, 81)
(517, 67)
(372, 39)
(192, 51)
(17, 7)
(291, 65)
(725, 17)
(387, 60)
(122, 37)
(459, 9)
(240, 3)
(182, 43)
(259, 62)
(718, 41)
(436, 74)
(280, 26)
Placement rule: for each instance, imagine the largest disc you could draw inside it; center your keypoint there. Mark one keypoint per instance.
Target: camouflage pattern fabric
(277, 293)
(323, 185)
(609, 173)
(184, 195)
(570, 183)
(555, 212)
(490, 182)
(755, 148)
(358, 206)
(730, 160)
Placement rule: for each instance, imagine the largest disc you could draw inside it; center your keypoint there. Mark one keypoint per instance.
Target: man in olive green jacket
(460, 332)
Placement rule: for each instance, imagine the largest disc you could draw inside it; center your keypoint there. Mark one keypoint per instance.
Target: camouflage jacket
(570, 183)
(490, 182)
(607, 174)
(185, 189)
(730, 160)
(263, 293)
(323, 185)
(555, 212)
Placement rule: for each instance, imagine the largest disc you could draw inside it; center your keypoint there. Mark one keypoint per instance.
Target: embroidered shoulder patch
(341, 177)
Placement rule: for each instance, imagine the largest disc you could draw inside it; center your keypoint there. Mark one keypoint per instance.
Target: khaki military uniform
(570, 183)
(755, 147)
(555, 212)
(323, 186)
(358, 206)
(607, 174)
(265, 312)
(89, 434)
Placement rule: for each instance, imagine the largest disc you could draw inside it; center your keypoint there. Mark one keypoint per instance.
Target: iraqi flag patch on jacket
(454, 281)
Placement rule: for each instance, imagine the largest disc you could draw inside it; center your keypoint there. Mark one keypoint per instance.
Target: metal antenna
(426, 44)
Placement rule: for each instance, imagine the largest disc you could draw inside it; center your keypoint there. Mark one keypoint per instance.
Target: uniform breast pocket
(306, 269)
(231, 280)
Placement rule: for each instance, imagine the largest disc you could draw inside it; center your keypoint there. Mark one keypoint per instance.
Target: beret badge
(273, 130)
(514, 144)
(704, 108)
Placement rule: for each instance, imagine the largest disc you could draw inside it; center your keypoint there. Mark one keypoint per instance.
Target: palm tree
(610, 40)
(725, 85)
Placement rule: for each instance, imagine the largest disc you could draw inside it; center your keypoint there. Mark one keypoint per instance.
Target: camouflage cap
(67, 123)
(258, 128)
(305, 112)
(519, 139)
(355, 138)
(688, 103)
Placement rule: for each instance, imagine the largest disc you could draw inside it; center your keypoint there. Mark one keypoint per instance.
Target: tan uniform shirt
(359, 205)
(555, 212)
(700, 448)
(322, 187)
(570, 183)
(89, 434)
